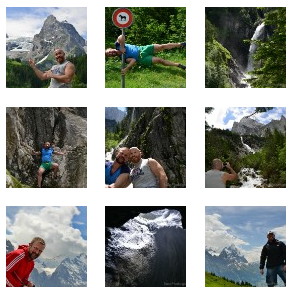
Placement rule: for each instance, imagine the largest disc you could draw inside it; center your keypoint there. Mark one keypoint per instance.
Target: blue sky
(28, 21)
(224, 117)
(246, 227)
(64, 228)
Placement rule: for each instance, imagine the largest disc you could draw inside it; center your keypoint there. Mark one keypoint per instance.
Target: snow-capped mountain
(147, 251)
(72, 272)
(231, 264)
(232, 255)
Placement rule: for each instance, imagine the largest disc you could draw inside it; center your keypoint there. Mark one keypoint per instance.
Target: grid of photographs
(141, 80)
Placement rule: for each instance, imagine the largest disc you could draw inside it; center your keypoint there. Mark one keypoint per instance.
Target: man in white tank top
(61, 74)
(216, 178)
(147, 173)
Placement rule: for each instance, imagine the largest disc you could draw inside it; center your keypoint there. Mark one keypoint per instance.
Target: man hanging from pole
(143, 55)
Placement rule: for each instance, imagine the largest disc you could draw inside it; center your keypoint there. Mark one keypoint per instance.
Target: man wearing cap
(274, 254)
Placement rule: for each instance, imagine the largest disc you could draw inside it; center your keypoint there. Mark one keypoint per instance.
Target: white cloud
(51, 223)
(27, 24)
(218, 235)
(218, 116)
(24, 26)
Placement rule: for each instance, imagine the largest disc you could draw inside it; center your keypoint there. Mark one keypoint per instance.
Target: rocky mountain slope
(28, 128)
(54, 34)
(248, 126)
(231, 264)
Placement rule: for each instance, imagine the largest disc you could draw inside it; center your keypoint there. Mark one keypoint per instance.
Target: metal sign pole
(123, 62)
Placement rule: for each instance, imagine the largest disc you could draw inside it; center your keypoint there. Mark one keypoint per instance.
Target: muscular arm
(66, 77)
(229, 177)
(40, 74)
(159, 172)
(131, 62)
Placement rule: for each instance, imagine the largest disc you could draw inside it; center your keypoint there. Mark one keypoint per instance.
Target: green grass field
(156, 76)
(215, 281)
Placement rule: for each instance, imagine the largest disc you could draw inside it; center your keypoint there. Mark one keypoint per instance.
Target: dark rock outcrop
(161, 134)
(28, 128)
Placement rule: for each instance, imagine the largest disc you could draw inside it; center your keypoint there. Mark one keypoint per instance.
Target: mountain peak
(233, 254)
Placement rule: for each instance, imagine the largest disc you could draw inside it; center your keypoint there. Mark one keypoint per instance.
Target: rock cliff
(248, 126)
(28, 128)
(161, 134)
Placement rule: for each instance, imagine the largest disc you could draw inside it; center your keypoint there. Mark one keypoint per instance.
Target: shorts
(146, 54)
(46, 165)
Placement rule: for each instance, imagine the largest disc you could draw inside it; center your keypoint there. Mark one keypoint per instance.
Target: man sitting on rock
(46, 152)
(147, 173)
(216, 178)
(117, 172)
(61, 74)
(143, 55)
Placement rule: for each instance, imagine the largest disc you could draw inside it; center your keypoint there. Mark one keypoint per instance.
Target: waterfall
(108, 156)
(250, 178)
(132, 115)
(250, 150)
(258, 34)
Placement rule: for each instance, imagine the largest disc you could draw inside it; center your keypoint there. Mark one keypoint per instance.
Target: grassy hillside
(212, 280)
(156, 76)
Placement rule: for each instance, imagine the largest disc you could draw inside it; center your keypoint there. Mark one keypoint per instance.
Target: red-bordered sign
(122, 17)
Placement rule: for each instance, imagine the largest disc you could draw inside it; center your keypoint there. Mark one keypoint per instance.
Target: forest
(245, 47)
(269, 159)
(20, 75)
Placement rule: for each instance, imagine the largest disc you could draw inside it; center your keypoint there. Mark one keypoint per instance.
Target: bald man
(147, 173)
(216, 178)
(60, 74)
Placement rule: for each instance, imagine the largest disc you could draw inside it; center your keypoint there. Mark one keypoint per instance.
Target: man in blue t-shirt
(117, 172)
(46, 165)
(143, 55)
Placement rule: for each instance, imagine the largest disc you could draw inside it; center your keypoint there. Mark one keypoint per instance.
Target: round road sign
(122, 17)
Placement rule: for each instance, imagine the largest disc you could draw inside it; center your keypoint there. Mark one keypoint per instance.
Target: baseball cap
(271, 232)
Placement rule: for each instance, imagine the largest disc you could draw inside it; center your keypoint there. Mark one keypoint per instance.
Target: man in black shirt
(274, 253)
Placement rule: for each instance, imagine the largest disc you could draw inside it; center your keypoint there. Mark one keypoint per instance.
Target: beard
(120, 160)
(33, 255)
(135, 159)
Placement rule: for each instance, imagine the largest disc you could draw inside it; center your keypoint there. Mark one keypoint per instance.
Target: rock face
(161, 134)
(55, 34)
(72, 272)
(28, 128)
(147, 251)
(248, 126)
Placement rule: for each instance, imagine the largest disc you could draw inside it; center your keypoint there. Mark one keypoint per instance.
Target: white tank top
(59, 69)
(214, 179)
(142, 176)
